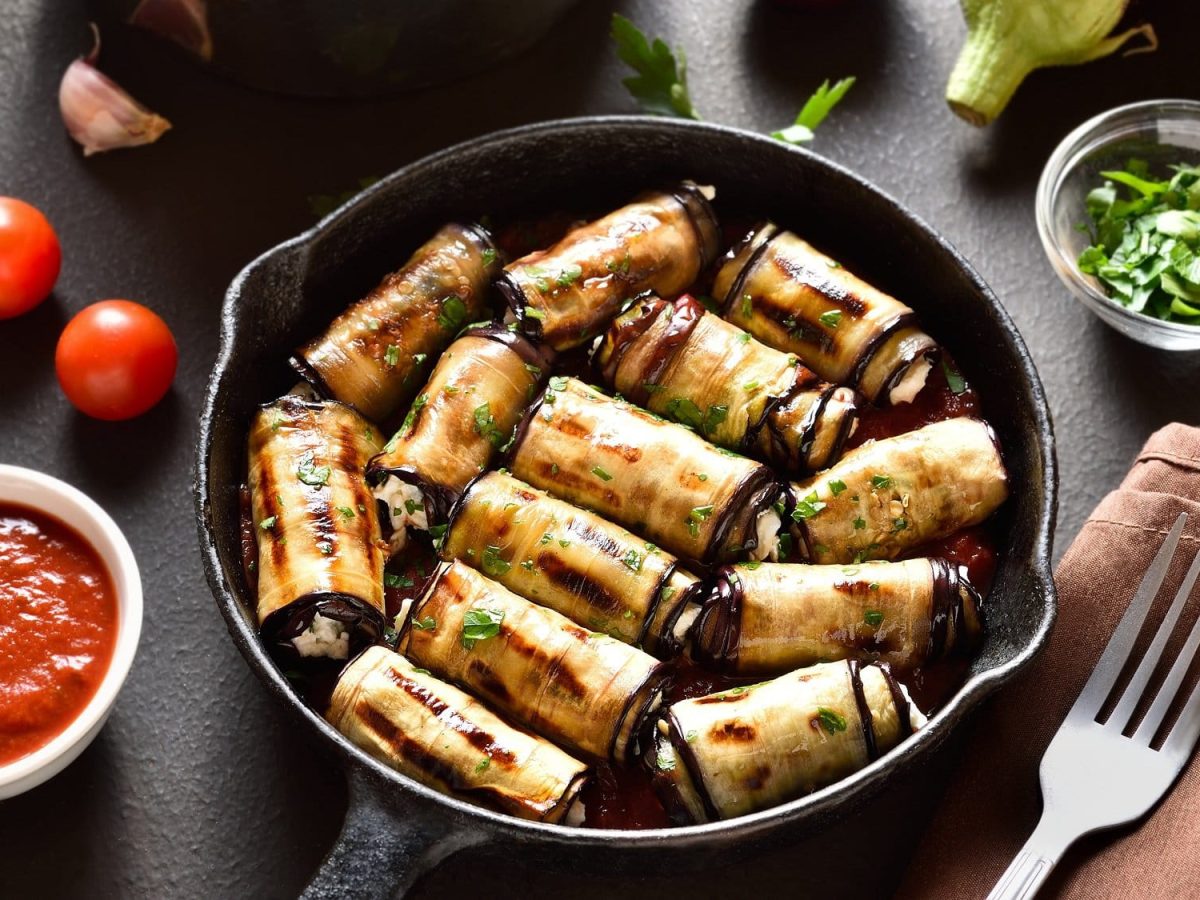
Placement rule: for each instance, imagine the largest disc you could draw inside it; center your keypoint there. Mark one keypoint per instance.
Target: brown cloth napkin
(993, 800)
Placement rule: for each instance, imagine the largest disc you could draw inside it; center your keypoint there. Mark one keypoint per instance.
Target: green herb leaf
(268, 523)
(568, 276)
(429, 623)
(485, 426)
(453, 313)
(660, 86)
(346, 511)
(479, 624)
(488, 256)
(954, 379)
(601, 473)
(633, 560)
(836, 486)
(392, 355)
(830, 318)
(831, 721)
(311, 474)
(807, 507)
(881, 482)
(873, 617)
(814, 111)
(493, 563)
(396, 581)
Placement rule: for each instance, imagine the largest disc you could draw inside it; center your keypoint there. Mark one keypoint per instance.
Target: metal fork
(1093, 777)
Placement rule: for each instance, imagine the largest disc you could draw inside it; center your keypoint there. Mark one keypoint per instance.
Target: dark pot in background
(343, 48)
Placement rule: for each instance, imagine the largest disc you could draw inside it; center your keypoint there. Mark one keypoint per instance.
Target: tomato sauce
(58, 628)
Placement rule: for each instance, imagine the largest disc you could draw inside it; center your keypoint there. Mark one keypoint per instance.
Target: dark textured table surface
(199, 786)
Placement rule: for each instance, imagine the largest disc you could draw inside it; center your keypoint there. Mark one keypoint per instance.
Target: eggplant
(446, 739)
(572, 561)
(792, 297)
(769, 618)
(657, 478)
(682, 362)
(465, 414)
(567, 294)
(751, 748)
(374, 354)
(580, 688)
(320, 554)
(887, 497)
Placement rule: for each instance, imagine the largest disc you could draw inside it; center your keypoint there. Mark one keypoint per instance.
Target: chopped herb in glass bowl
(1146, 239)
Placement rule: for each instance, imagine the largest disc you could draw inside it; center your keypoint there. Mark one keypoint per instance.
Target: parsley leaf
(493, 563)
(831, 721)
(660, 85)
(814, 111)
(479, 625)
(310, 474)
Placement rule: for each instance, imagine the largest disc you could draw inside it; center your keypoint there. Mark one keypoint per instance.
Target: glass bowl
(1161, 132)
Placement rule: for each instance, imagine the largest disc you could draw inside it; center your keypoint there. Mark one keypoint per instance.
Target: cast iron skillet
(397, 829)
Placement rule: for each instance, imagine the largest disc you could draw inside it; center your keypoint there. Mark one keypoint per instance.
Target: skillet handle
(385, 846)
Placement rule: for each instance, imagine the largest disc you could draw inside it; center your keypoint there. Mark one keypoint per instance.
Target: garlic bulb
(97, 111)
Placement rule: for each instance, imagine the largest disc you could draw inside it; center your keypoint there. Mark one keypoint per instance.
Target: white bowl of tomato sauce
(70, 618)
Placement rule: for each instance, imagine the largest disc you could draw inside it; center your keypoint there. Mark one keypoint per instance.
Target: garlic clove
(97, 111)
(183, 21)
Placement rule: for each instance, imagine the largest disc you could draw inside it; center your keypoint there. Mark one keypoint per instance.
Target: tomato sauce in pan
(58, 628)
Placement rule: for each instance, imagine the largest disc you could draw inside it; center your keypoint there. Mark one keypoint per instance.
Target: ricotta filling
(916, 718)
(323, 637)
(766, 527)
(685, 621)
(911, 381)
(406, 508)
(576, 814)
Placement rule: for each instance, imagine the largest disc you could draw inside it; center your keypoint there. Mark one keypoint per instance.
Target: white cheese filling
(911, 382)
(323, 637)
(684, 623)
(401, 497)
(767, 526)
(576, 814)
(916, 718)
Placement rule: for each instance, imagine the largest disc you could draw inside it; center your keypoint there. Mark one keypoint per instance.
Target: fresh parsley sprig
(660, 85)
(813, 113)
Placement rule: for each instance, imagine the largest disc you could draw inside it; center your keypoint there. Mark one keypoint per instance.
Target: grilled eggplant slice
(320, 556)
(568, 559)
(657, 478)
(581, 688)
(791, 296)
(887, 497)
(444, 738)
(466, 413)
(751, 748)
(682, 362)
(567, 294)
(374, 354)
(769, 618)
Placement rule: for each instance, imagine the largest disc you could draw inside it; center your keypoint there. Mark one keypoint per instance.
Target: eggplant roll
(577, 687)
(567, 294)
(768, 618)
(373, 355)
(593, 572)
(320, 555)
(467, 411)
(657, 478)
(751, 748)
(793, 297)
(682, 362)
(446, 739)
(887, 497)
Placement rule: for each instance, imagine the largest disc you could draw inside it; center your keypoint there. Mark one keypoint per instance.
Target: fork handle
(1028, 872)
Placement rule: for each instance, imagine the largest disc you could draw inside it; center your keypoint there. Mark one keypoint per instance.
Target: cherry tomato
(29, 257)
(115, 359)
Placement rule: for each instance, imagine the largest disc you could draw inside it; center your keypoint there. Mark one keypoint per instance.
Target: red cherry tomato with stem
(29, 257)
(115, 359)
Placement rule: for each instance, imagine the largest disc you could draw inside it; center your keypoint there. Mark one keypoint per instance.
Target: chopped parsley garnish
(311, 474)
(621, 267)
(751, 386)
(411, 506)
(437, 533)
(836, 486)
(807, 507)
(546, 538)
(568, 276)
(601, 474)
(479, 625)
(1146, 250)
(633, 560)
(686, 412)
(702, 477)
(881, 481)
(392, 355)
(860, 523)
(489, 256)
(900, 524)
(493, 563)
(485, 426)
(873, 617)
(372, 323)
(954, 379)
(429, 623)
(830, 318)
(453, 314)
(665, 761)
(531, 312)
(660, 85)
(482, 766)
(814, 111)
(831, 721)
(695, 517)
(411, 418)
(747, 306)
(534, 371)
(325, 547)
(268, 523)
(558, 383)
(346, 511)
(527, 565)
(752, 565)
(874, 586)
(396, 581)
(744, 337)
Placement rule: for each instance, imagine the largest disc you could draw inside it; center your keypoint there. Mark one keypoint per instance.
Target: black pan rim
(822, 804)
